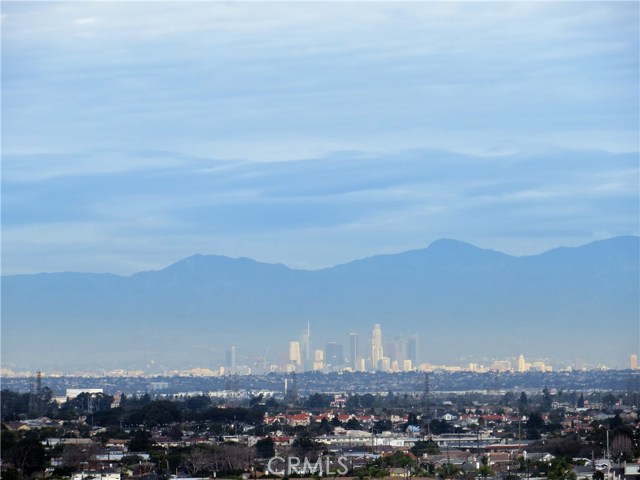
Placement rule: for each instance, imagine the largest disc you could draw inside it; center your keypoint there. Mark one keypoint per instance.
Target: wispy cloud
(85, 21)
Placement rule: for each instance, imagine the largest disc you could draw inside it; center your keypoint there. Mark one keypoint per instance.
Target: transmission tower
(39, 393)
(32, 397)
(291, 395)
(426, 397)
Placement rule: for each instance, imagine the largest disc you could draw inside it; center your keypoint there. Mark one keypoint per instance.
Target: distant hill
(461, 300)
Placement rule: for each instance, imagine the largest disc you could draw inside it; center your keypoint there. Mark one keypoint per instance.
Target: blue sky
(136, 134)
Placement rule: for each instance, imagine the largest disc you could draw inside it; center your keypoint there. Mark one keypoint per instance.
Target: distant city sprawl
(498, 425)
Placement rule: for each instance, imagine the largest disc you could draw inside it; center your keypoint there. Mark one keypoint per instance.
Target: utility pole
(608, 458)
(39, 392)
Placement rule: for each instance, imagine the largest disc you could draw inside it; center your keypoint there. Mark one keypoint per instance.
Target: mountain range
(463, 302)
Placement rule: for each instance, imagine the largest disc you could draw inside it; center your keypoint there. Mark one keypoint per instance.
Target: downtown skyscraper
(353, 351)
(376, 346)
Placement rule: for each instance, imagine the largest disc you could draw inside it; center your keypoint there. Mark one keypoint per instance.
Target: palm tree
(485, 470)
(448, 470)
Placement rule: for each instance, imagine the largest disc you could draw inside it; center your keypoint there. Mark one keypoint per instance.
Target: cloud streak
(376, 203)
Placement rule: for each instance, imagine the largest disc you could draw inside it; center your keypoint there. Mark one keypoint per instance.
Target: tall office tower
(389, 349)
(402, 350)
(318, 360)
(633, 362)
(362, 364)
(501, 366)
(230, 358)
(539, 367)
(294, 354)
(376, 346)
(412, 349)
(353, 351)
(522, 366)
(306, 348)
(333, 355)
(384, 364)
(318, 356)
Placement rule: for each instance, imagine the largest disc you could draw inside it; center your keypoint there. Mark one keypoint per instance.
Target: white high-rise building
(384, 364)
(230, 359)
(539, 366)
(294, 354)
(305, 348)
(522, 365)
(318, 360)
(376, 345)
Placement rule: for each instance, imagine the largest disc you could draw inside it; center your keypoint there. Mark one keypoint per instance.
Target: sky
(135, 134)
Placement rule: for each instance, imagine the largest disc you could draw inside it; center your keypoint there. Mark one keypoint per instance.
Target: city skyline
(405, 348)
(220, 369)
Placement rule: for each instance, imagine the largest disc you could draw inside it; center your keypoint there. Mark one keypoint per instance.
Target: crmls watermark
(322, 466)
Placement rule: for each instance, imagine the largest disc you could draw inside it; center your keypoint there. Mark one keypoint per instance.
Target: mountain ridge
(443, 245)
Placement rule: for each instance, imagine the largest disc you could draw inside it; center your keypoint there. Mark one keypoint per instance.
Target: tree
(534, 424)
(199, 402)
(108, 418)
(523, 403)
(319, 400)
(448, 470)
(353, 424)
(622, 445)
(438, 427)
(567, 446)
(160, 412)
(175, 433)
(265, 448)
(8, 440)
(397, 460)
(305, 445)
(421, 447)
(101, 401)
(255, 401)
(353, 403)
(367, 400)
(14, 404)
(382, 426)
(324, 428)
(74, 456)
(27, 455)
(560, 469)
(140, 442)
(485, 470)
(508, 399)
(546, 400)
(412, 419)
